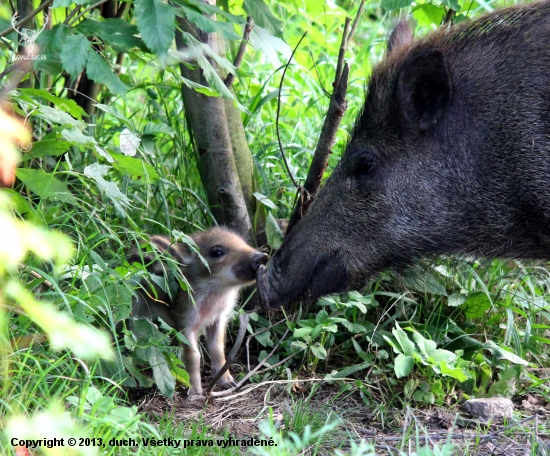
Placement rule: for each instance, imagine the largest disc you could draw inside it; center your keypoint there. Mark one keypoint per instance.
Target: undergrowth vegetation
(442, 331)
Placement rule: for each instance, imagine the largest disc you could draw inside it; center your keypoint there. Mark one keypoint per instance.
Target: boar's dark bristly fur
(450, 155)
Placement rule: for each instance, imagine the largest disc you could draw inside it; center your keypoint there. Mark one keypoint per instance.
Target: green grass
(491, 316)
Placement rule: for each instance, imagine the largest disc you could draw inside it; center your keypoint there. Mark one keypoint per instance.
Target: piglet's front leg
(215, 339)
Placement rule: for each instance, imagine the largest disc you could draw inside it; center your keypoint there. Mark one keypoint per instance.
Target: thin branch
(243, 322)
(327, 138)
(253, 371)
(221, 395)
(29, 16)
(449, 17)
(257, 333)
(356, 21)
(95, 5)
(342, 53)
(71, 14)
(279, 112)
(240, 53)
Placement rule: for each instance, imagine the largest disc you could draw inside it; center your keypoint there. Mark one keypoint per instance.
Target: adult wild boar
(450, 155)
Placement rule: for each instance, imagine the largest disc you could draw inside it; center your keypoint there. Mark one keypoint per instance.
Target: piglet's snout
(259, 259)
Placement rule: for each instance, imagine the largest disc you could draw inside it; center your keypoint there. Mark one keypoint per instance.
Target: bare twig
(449, 17)
(257, 333)
(243, 322)
(356, 20)
(342, 54)
(336, 110)
(71, 14)
(222, 394)
(26, 18)
(95, 5)
(279, 112)
(253, 371)
(240, 53)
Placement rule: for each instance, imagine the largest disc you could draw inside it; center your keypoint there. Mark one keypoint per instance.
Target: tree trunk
(223, 155)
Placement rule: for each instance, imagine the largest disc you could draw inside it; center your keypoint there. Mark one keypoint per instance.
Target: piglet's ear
(424, 88)
(185, 255)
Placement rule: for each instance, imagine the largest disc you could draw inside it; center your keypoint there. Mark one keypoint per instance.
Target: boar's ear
(424, 87)
(400, 36)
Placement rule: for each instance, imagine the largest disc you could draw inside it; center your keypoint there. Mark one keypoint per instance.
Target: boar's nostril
(258, 259)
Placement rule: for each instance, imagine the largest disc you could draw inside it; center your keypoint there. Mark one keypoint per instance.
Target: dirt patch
(295, 405)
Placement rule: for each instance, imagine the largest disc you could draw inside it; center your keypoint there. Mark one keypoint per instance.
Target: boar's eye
(364, 166)
(216, 252)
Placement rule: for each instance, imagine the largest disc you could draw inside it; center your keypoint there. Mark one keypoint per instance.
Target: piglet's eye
(217, 252)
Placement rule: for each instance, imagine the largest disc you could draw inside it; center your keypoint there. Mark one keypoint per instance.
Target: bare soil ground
(389, 429)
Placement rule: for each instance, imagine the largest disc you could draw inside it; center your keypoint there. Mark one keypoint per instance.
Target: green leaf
(349, 370)
(69, 106)
(204, 23)
(318, 351)
(271, 46)
(199, 51)
(46, 148)
(477, 304)
(428, 14)
(75, 136)
(453, 372)
(211, 9)
(99, 71)
(421, 396)
(164, 379)
(96, 172)
(53, 115)
(263, 16)
(51, 41)
(112, 111)
(74, 54)
(406, 345)
(265, 200)
(177, 368)
(274, 234)
(158, 128)
(453, 4)
(456, 299)
(354, 328)
(135, 167)
(156, 23)
(423, 281)
(117, 32)
(302, 332)
(67, 3)
(506, 386)
(426, 346)
(501, 353)
(297, 346)
(394, 4)
(410, 387)
(44, 184)
(403, 365)
(321, 316)
(265, 339)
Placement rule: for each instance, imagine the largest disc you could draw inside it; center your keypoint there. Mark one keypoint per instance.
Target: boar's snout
(300, 276)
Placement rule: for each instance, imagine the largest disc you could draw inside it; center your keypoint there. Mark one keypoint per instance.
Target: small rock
(490, 408)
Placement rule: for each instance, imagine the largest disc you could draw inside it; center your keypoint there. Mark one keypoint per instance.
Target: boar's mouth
(278, 287)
